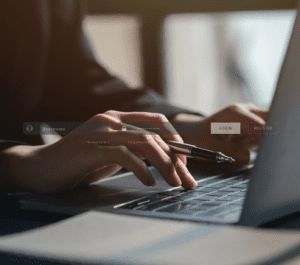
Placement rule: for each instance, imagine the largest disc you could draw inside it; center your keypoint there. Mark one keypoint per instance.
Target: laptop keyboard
(219, 199)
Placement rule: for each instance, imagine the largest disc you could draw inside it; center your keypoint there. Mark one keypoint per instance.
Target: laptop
(251, 195)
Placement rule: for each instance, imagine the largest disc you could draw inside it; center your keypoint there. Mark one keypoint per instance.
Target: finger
(188, 182)
(238, 114)
(254, 109)
(157, 152)
(248, 119)
(146, 146)
(154, 122)
(261, 113)
(158, 158)
(122, 156)
(186, 178)
(153, 153)
(109, 123)
(131, 132)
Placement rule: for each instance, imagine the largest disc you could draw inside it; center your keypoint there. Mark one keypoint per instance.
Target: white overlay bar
(225, 128)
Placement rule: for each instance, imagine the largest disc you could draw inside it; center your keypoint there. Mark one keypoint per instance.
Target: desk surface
(104, 238)
(98, 237)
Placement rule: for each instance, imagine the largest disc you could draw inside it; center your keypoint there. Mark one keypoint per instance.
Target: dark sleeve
(78, 87)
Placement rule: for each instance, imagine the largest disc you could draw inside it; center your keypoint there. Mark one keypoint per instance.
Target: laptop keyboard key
(228, 190)
(242, 186)
(189, 195)
(225, 198)
(216, 193)
(206, 189)
(237, 202)
(220, 186)
(237, 188)
(208, 182)
(232, 181)
(211, 204)
(221, 198)
(205, 198)
(237, 194)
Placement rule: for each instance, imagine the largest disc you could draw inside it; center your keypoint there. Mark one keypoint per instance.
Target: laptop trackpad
(108, 192)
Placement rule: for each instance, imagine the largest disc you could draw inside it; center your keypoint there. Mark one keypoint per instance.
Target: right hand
(80, 157)
(237, 146)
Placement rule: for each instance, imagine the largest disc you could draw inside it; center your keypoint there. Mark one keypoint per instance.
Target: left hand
(233, 145)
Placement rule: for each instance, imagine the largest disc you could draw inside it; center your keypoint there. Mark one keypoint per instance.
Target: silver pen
(196, 152)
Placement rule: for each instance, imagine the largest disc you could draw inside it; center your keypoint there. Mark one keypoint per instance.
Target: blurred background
(202, 61)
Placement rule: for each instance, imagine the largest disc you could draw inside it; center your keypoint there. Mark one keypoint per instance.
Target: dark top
(48, 72)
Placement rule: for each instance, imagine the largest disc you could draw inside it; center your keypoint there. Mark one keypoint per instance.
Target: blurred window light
(213, 60)
(115, 41)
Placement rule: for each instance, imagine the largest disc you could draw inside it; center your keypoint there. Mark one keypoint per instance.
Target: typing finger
(156, 123)
(158, 158)
(122, 156)
(186, 178)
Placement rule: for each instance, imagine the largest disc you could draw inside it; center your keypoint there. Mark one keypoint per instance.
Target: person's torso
(24, 43)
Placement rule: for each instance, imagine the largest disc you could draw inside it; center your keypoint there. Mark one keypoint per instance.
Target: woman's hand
(95, 150)
(237, 146)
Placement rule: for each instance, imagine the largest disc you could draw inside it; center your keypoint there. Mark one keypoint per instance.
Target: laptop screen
(275, 185)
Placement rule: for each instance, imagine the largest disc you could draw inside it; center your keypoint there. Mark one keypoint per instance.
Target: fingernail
(243, 156)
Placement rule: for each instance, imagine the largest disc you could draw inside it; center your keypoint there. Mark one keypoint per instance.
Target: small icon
(124, 128)
(29, 128)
